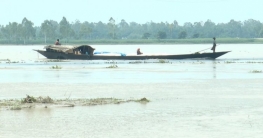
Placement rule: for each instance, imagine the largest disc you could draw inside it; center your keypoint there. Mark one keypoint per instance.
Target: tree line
(50, 30)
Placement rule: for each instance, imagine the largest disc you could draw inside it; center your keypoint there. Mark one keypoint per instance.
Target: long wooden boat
(86, 52)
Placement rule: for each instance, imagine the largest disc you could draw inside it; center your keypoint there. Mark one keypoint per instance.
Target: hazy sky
(140, 11)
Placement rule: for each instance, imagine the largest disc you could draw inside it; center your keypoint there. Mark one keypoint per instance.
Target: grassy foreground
(142, 41)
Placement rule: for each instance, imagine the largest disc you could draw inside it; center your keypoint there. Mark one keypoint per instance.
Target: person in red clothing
(139, 52)
(57, 42)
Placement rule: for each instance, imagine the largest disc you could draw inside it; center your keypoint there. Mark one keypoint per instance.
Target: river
(188, 98)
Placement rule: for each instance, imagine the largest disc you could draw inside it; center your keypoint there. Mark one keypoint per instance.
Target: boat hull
(61, 55)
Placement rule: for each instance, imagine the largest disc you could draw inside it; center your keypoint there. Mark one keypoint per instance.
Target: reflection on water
(89, 72)
(189, 98)
(214, 69)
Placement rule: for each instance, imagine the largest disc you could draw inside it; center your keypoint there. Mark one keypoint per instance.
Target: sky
(139, 11)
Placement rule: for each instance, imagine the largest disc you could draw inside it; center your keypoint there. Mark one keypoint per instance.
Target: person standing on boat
(214, 45)
(57, 42)
(139, 51)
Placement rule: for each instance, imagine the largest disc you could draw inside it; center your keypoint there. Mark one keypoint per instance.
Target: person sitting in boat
(214, 45)
(139, 51)
(57, 42)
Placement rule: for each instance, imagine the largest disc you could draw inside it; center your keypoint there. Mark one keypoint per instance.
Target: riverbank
(139, 41)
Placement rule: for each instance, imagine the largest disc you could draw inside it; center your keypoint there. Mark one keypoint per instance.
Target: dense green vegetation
(248, 31)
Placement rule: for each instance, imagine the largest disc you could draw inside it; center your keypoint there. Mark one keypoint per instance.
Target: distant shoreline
(139, 41)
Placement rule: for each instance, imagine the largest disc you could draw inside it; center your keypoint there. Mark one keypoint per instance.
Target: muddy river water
(188, 98)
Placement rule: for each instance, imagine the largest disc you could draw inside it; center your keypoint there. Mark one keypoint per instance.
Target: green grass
(163, 61)
(143, 100)
(229, 62)
(256, 71)
(142, 41)
(12, 62)
(16, 107)
(54, 60)
(135, 62)
(112, 66)
(168, 41)
(56, 67)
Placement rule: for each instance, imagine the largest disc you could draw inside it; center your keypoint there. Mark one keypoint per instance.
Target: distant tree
(146, 36)
(175, 23)
(76, 26)
(233, 29)
(14, 30)
(188, 25)
(123, 24)
(10, 31)
(1, 33)
(6, 33)
(134, 36)
(27, 30)
(251, 28)
(112, 28)
(55, 24)
(101, 30)
(196, 35)
(135, 31)
(261, 33)
(161, 35)
(85, 31)
(64, 28)
(182, 35)
(171, 28)
(176, 29)
(197, 29)
(47, 29)
(209, 29)
(123, 29)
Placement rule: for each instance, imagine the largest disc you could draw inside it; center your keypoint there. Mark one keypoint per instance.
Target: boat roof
(65, 48)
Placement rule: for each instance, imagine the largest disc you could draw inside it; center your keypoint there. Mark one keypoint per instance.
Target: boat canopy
(68, 49)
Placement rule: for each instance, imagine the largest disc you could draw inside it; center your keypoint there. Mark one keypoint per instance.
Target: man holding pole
(214, 45)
